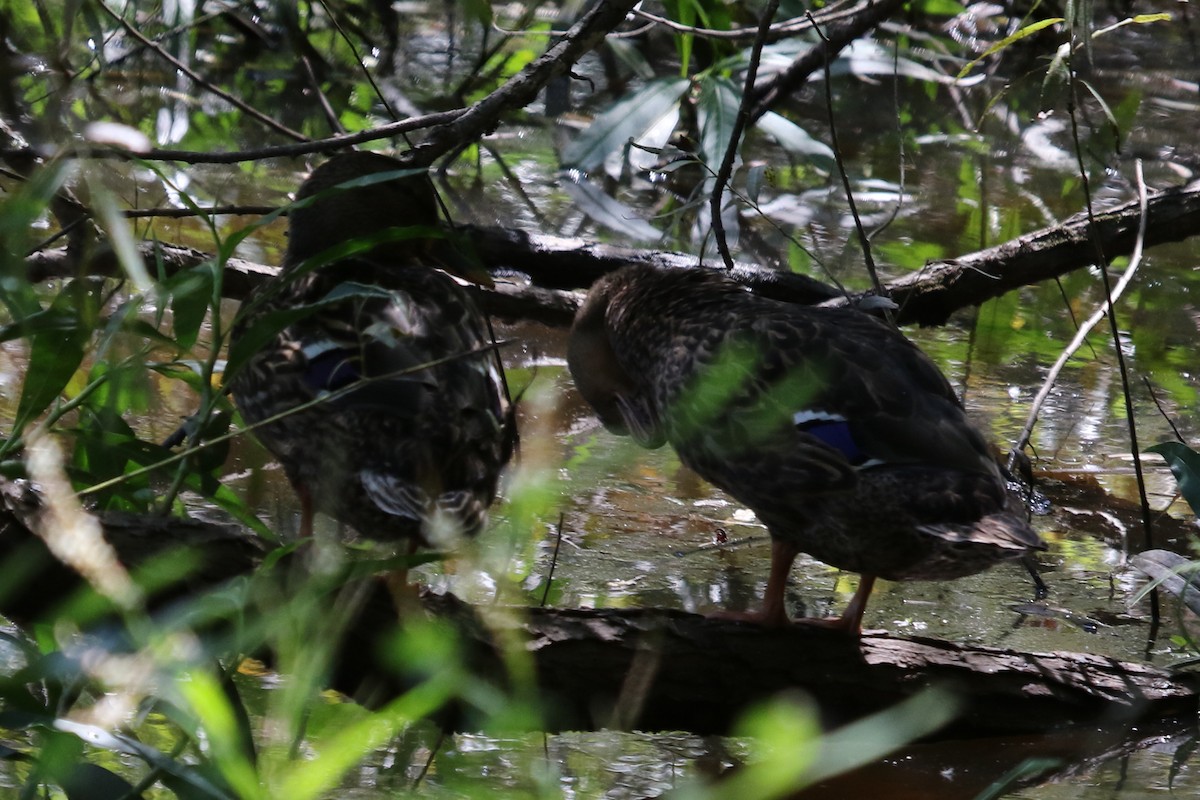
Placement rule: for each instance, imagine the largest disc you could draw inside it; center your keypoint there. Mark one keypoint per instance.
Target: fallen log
(658, 669)
(650, 669)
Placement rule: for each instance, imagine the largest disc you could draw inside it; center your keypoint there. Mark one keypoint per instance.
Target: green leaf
(54, 356)
(716, 110)
(209, 702)
(191, 293)
(609, 212)
(99, 737)
(93, 782)
(1185, 466)
(795, 140)
(755, 177)
(1028, 30)
(629, 118)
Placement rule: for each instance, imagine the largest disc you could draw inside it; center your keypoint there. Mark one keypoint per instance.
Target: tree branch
(770, 93)
(927, 297)
(521, 90)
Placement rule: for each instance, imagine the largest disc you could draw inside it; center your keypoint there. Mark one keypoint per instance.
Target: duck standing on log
(383, 392)
(843, 437)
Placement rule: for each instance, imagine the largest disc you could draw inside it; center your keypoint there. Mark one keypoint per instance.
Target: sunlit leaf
(941, 8)
(629, 118)
(1023, 33)
(219, 718)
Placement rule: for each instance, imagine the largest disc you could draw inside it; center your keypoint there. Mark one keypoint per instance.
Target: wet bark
(649, 669)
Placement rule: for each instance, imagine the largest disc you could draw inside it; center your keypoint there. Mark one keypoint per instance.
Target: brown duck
(410, 428)
(841, 435)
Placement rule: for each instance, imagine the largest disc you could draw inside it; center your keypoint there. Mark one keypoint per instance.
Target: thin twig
(523, 88)
(895, 212)
(1162, 411)
(331, 116)
(437, 746)
(783, 83)
(725, 171)
(366, 73)
(238, 156)
(1081, 334)
(1135, 257)
(863, 241)
(553, 559)
(775, 32)
(200, 81)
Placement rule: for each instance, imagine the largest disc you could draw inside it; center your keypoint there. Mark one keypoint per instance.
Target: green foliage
(1185, 466)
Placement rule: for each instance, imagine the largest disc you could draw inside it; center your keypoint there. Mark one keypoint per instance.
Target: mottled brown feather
(418, 426)
(923, 500)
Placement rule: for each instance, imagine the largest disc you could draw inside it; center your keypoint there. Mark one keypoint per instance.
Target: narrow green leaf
(609, 212)
(93, 782)
(796, 140)
(1028, 30)
(54, 356)
(208, 701)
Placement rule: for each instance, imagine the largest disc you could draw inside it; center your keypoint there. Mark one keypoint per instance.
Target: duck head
(622, 406)
(339, 215)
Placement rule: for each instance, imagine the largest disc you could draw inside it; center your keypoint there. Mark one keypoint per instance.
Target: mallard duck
(411, 427)
(843, 437)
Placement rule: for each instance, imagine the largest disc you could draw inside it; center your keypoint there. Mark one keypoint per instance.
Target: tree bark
(555, 265)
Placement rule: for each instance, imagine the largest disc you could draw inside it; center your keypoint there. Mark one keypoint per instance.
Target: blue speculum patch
(836, 434)
(331, 370)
